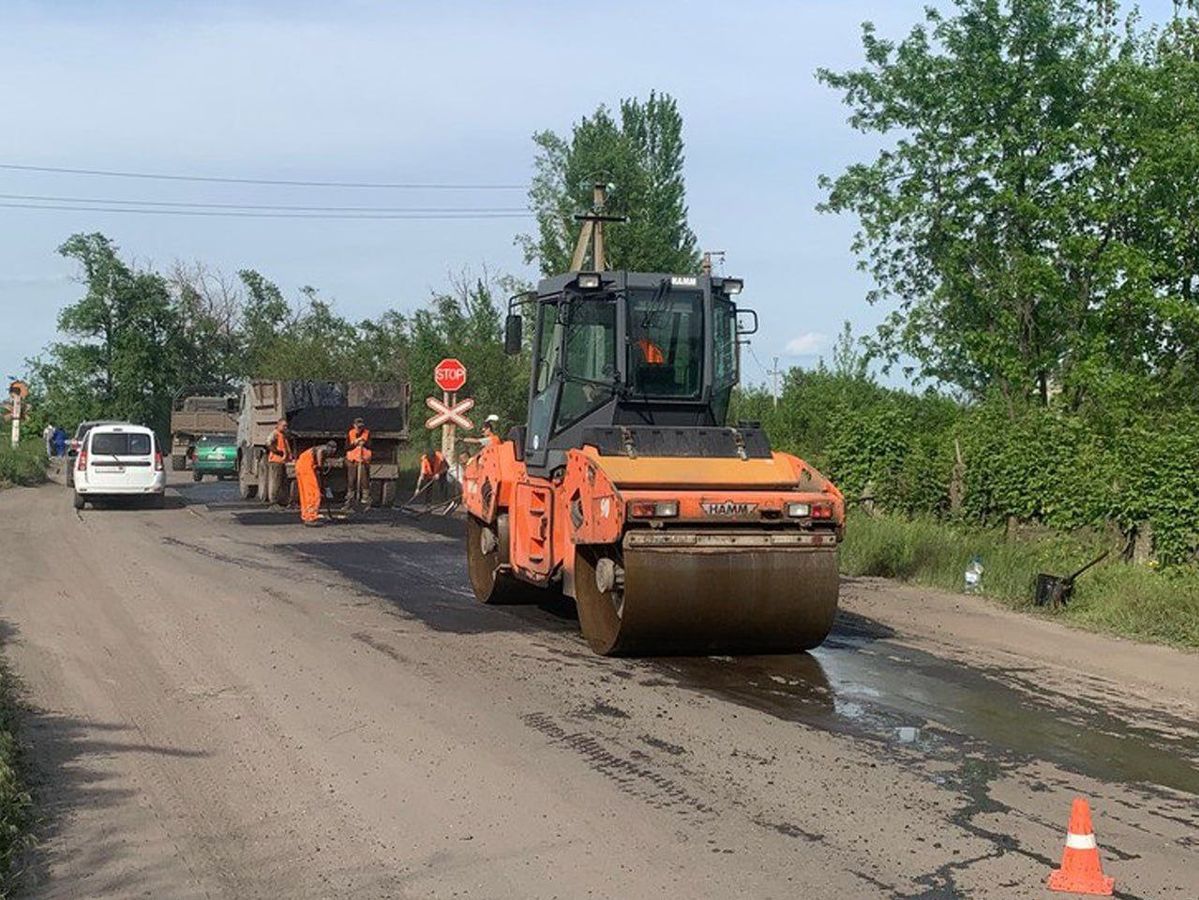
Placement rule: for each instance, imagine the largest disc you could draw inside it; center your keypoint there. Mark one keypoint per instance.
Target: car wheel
(79, 500)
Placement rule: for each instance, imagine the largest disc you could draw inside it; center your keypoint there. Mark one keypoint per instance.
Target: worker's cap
(492, 419)
(331, 446)
(358, 420)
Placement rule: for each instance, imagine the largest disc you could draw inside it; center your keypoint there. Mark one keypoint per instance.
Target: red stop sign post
(450, 376)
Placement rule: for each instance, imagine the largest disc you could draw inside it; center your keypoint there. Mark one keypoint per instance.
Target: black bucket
(1053, 590)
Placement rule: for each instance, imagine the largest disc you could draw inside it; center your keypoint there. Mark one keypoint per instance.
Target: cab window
(665, 343)
(589, 359)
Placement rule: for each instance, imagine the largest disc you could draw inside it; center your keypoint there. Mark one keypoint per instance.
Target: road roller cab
(627, 491)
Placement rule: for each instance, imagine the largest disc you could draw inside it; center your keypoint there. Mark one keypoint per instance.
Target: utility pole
(709, 255)
(774, 381)
(592, 233)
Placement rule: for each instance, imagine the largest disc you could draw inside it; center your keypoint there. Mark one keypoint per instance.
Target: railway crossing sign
(14, 409)
(449, 413)
(450, 375)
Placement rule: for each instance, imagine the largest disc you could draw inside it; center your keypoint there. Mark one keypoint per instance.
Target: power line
(750, 347)
(430, 186)
(268, 215)
(271, 207)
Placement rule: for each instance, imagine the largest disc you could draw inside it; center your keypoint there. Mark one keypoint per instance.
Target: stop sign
(450, 375)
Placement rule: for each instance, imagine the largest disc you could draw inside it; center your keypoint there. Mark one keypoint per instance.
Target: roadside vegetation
(24, 464)
(1144, 602)
(16, 806)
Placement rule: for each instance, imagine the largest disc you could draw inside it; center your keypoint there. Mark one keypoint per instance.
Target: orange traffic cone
(1081, 872)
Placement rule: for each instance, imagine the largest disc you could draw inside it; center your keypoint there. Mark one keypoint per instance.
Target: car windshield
(114, 443)
(216, 440)
(665, 342)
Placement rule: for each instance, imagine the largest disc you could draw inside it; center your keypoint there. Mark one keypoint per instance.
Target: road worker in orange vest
(279, 452)
(358, 465)
(433, 466)
(651, 352)
(310, 466)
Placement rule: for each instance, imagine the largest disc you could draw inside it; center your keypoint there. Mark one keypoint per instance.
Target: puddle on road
(909, 698)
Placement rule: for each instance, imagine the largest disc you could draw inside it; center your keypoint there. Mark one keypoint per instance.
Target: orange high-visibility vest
(432, 465)
(358, 454)
(280, 450)
(651, 352)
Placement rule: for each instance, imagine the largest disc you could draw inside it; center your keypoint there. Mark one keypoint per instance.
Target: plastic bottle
(974, 575)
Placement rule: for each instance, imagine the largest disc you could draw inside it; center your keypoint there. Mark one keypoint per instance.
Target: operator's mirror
(513, 334)
(747, 321)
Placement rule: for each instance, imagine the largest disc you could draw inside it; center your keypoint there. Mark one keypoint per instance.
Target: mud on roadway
(224, 704)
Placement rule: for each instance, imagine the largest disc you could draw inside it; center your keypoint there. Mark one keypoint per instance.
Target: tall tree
(641, 156)
(981, 220)
(123, 350)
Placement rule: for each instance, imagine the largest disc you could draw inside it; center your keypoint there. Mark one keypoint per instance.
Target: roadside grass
(16, 806)
(1130, 600)
(24, 464)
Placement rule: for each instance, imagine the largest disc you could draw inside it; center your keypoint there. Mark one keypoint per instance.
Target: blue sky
(423, 92)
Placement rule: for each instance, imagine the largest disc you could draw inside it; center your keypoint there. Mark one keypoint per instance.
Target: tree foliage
(640, 154)
(1033, 225)
(1027, 220)
(124, 350)
(136, 338)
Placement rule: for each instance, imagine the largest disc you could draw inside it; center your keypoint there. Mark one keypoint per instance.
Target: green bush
(1125, 467)
(24, 464)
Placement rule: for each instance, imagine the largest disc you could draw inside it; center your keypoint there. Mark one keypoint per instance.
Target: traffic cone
(1081, 872)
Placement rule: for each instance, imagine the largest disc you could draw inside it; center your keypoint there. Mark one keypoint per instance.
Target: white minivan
(119, 460)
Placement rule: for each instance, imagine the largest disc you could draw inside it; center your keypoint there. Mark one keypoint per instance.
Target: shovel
(1053, 590)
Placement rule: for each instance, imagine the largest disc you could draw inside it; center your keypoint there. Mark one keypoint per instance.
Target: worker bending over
(358, 465)
(433, 467)
(309, 467)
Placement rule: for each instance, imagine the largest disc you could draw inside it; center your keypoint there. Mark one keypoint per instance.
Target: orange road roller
(674, 532)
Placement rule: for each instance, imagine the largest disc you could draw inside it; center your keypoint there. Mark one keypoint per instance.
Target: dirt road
(226, 705)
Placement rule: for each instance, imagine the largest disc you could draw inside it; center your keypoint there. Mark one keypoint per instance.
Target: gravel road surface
(224, 704)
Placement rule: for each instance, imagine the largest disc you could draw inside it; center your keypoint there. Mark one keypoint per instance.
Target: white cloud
(807, 344)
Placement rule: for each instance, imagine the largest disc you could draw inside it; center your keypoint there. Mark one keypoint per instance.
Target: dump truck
(196, 412)
(317, 412)
(628, 491)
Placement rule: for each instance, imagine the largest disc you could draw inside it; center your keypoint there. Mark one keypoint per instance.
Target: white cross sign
(444, 414)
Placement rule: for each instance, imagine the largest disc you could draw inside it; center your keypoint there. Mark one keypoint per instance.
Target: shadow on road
(427, 580)
(64, 762)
